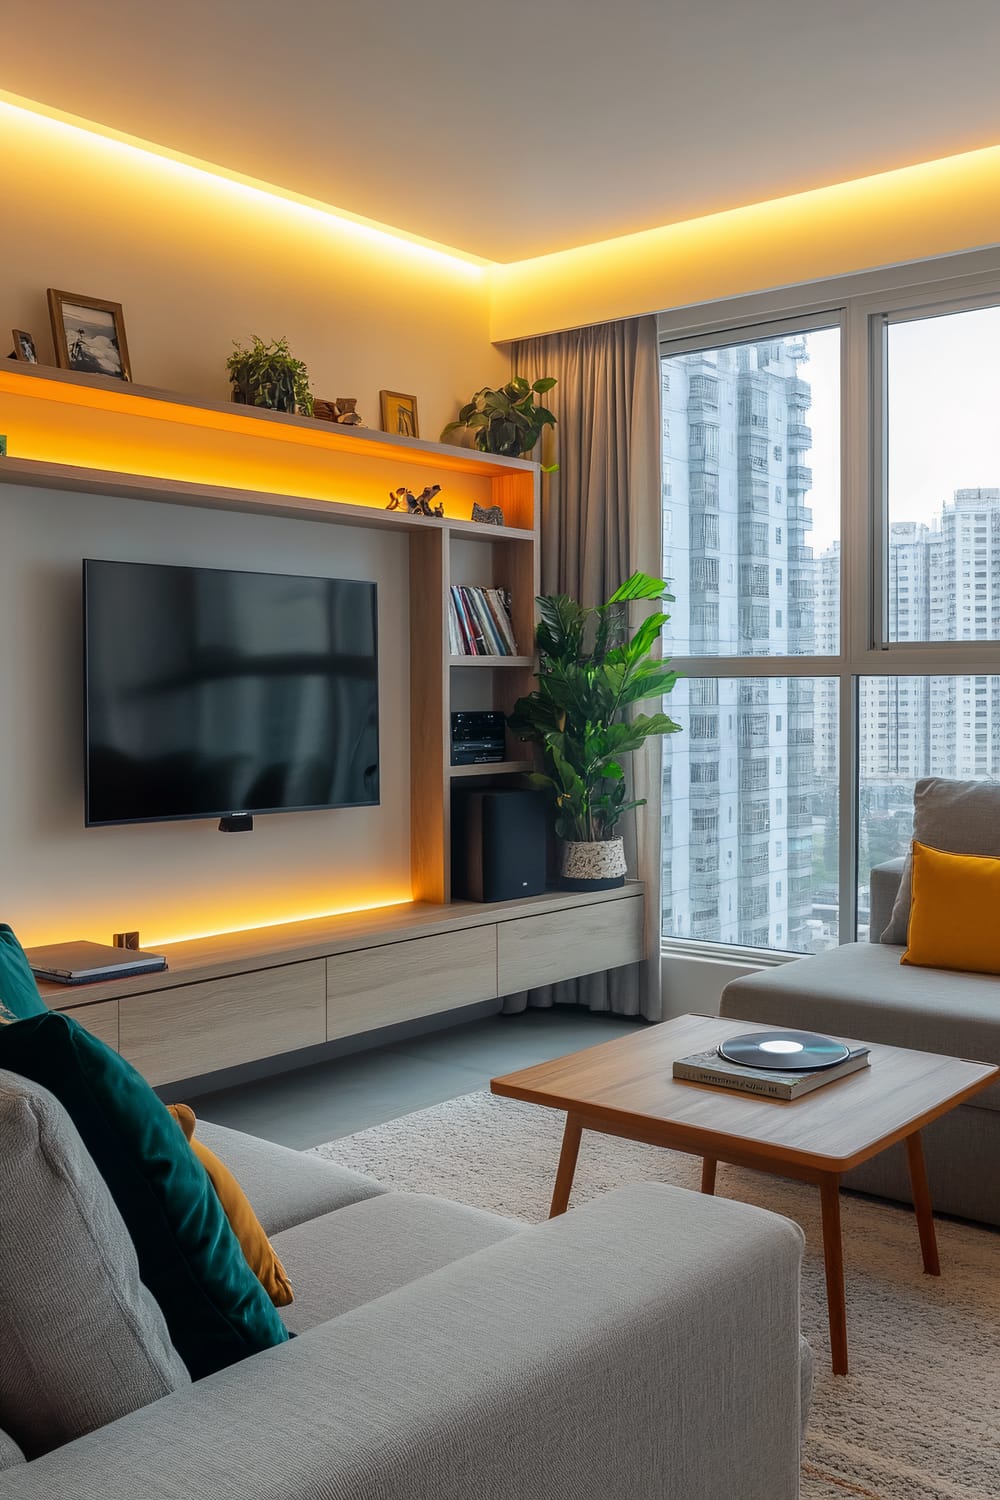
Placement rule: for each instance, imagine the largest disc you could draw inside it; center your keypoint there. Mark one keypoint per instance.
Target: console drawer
(220, 1023)
(398, 981)
(100, 1019)
(565, 944)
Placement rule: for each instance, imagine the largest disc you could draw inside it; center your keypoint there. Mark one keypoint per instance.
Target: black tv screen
(210, 692)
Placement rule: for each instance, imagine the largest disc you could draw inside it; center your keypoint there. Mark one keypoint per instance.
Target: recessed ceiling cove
(512, 131)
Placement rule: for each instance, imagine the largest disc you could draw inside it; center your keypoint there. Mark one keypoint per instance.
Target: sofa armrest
(644, 1346)
(882, 886)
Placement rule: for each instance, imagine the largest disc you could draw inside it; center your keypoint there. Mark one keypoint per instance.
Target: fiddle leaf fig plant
(592, 673)
(508, 421)
(269, 375)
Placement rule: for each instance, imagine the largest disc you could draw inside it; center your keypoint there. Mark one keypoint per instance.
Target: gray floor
(336, 1098)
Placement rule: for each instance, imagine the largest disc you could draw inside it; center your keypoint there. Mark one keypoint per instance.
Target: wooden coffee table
(625, 1088)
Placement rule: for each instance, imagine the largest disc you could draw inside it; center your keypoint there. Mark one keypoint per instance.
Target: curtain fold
(601, 522)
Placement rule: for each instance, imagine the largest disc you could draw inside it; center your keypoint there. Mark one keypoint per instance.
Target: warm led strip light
(14, 109)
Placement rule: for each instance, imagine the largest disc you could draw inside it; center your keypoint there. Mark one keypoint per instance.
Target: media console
(245, 996)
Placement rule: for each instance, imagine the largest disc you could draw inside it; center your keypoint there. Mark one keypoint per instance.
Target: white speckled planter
(599, 866)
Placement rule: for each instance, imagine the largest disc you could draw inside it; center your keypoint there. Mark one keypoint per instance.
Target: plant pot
(273, 397)
(597, 866)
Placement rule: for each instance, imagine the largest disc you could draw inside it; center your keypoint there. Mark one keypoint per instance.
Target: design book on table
(85, 963)
(709, 1067)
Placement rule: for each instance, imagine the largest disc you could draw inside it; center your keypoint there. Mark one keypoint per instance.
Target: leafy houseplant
(508, 421)
(268, 375)
(592, 672)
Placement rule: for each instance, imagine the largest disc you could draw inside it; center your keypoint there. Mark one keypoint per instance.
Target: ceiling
(512, 130)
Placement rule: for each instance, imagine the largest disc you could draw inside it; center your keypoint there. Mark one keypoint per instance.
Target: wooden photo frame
(24, 347)
(398, 413)
(89, 335)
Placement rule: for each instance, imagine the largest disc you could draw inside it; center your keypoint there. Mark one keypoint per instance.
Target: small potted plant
(592, 671)
(268, 375)
(508, 421)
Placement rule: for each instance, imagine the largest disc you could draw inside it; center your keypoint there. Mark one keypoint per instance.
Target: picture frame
(89, 335)
(398, 413)
(24, 347)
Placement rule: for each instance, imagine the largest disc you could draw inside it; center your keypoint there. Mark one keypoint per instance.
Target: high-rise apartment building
(738, 784)
(944, 585)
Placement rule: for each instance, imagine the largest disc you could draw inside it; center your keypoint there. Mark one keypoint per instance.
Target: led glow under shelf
(101, 426)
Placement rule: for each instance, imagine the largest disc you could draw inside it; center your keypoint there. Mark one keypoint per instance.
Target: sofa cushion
(257, 1249)
(10, 1453)
(83, 1340)
(953, 912)
(350, 1257)
(215, 1308)
(19, 995)
(861, 991)
(285, 1187)
(960, 817)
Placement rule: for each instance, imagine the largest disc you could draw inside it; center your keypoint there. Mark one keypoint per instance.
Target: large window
(795, 772)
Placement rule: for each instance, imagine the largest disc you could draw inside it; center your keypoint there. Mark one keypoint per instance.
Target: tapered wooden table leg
(567, 1166)
(708, 1166)
(922, 1204)
(833, 1257)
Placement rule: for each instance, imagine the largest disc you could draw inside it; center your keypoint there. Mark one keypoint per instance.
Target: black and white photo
(89, 335)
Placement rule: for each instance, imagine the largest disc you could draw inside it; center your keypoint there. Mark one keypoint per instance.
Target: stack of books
(479, 622)
(709, 1067)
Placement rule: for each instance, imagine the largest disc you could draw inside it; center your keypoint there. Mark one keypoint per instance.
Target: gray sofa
(861, 990)
(643, 1345)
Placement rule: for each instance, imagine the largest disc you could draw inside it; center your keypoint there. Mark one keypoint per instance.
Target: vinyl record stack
(479, 622)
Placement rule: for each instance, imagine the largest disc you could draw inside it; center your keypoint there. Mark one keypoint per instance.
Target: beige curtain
(601, 522)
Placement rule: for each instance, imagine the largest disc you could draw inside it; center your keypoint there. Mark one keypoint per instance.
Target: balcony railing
(799, 435)
(799, 515)
(799, 393)
(800, 477)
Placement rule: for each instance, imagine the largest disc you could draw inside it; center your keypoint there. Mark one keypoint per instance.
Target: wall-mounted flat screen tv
(210, 691)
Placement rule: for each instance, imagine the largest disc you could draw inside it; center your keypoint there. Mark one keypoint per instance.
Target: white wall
(60, 880)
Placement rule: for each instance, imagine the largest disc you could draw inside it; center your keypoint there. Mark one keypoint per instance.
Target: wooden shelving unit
(149, 445)
(243, 997)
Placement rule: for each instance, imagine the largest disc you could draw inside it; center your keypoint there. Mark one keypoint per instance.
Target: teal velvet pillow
(216, 1310)
(19, 995)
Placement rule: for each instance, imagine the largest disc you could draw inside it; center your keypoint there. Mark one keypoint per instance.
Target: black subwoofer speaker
(498, 845)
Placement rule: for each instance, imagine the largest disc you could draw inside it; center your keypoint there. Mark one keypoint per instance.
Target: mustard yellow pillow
(954, 912)
(244, 1223)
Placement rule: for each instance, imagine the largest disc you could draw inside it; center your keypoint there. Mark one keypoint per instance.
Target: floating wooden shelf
(89, 431)
(491, 661)
(495, 768)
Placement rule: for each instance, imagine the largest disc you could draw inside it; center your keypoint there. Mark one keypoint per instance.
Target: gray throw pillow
(84, 1342)
(958, 817)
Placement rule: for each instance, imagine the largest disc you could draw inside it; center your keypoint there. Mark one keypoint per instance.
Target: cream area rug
(918, 1418)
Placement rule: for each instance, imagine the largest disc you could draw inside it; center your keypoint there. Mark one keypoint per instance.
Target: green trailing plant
(592, 673)
(508, 421)
(269, 375)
